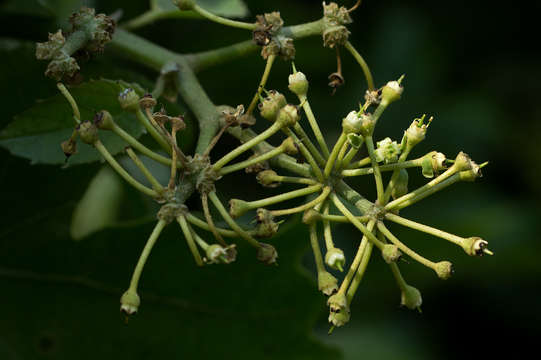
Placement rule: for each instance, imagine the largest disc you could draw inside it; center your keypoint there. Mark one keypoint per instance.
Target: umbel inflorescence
(324, 197)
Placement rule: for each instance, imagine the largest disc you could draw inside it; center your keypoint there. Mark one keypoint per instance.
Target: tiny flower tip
(298, 84)
(488, 252)
(129, 302)
(411, 298)
(335, 258)
(339, 318)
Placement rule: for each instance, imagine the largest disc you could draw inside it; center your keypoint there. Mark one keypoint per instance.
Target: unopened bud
(289, 146)
(352, 123)
(129, 302)
(335, 259)
(217, 254)
(391, 92)
(104, 120)
(298, 84)
(129, 100)
(310, 216)
(444, 269)
(411, 298)
(327, 283)
(390, 253)
(266, 226)
(288, 115)
(69, 147)
(271, 105)
(268, 178)
(88, 132)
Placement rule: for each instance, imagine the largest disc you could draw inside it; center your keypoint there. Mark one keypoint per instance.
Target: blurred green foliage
(463, 64)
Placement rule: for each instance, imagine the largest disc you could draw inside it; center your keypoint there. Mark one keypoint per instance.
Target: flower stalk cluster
(322, 194)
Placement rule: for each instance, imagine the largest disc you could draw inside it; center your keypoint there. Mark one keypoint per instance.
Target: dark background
(469, 64)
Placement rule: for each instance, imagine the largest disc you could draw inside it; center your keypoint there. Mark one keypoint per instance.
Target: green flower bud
(129, 100)
(463, 162)
(416, 131)
(334, 14)
(334, 19)
(367, 124)
(338, 302)
(387, 151)
(391, 253)
(271, 105)
(391, 92)
(339, 318)
(104, 120)
(267, 254)
(310, 216)
(474, 246)
(289, 146)
(444, 269)
(411, 298)
(327, 283)
(129, 302)
(217, 254)
(266, 227)
(267, 178)
(288, 115)
(88, 132)
(400, 187)
(184, 5)
(298, 84)
(472, 174)
(335, 259)
(352, 123)
(238, 207)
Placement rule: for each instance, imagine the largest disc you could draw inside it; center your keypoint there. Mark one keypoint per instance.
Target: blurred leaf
(36, 133)
(61, 9)
(228, 8)
(99, 205)
(68, 293)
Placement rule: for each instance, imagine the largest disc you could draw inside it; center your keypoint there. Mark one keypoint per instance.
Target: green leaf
(69, 291)
(36, 133)
(228, 8)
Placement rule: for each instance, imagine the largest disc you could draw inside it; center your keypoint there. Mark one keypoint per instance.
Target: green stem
(349, 156)
(406, 250)
(283, 197)
(360, 163)
(353, 219)
(150, 129)
(327, 233)
(314, 125)
(422, 192)
(116, 166)
(306, 206)
(262, 83)
(320, 266)
(71, 101)
(155, 183)
(292, 179)
(360, 272)
(362, 63)
(194, 220)
(375, 166)
(229, 220)
(356, 261)
(332, 157)
(145, 253)
(386, 167)
(189, 239)
(203, 60)
(307, 155)
(303, 136)
(426, 229)
(210, 221)
(224, 21)
(244, 164)
(247, 145)
(145, 18)
(394, 176)
(140, 147)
